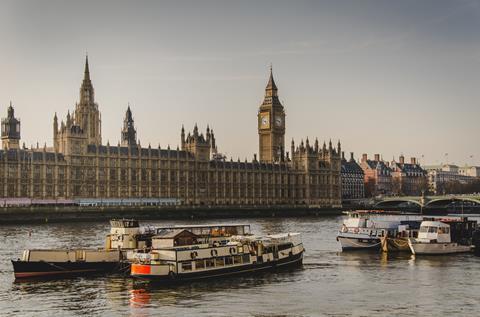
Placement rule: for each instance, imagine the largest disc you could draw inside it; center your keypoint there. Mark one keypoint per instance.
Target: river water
(331, 283)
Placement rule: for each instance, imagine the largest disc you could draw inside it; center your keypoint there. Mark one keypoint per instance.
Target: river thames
(331, 283)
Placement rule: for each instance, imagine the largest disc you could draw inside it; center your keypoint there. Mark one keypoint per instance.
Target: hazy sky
(385, 77)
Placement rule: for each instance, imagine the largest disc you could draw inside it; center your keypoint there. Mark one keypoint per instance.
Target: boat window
(246, 258)
(210, 263)
(444, 230)
(284, 246)
(423, 229)
(219, 262)
(199, 264)
(237, 259)
(432, 229)
(186, 266)
(228, 260)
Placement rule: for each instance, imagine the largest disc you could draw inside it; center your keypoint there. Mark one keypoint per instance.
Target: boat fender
(172, 275)
(193, 254)
(355, 230)
(232, 250)
(214, 252)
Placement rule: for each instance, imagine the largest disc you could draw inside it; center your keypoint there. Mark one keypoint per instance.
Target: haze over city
(383, 77)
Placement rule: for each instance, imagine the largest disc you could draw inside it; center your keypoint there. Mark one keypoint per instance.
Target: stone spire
(10, 111)
(86, 90)
(271, 90)
(87, 115)
(129, 134)
(86, 74)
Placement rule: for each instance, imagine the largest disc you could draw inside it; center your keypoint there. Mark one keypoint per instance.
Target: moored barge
(181, 255)
(125, 236)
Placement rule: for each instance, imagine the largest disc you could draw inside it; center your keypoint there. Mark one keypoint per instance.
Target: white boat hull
(356, 243)
(438, 248)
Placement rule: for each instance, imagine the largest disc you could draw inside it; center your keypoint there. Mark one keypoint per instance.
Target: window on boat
(443, 230)
(432, 229)
(228, 260)
(219, 262)
(284, 246)
(237, 259)
(199, 264)
(209, 263)
(246, 258)
(186, 266)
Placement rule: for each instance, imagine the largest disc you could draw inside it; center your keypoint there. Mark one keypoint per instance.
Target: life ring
(193, 254)
(232, 250)
(355, 230)
(214, 252)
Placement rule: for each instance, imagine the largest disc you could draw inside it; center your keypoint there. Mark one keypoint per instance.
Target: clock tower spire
(271, 124)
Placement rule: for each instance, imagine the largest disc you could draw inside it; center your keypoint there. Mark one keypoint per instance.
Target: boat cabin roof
(124, 223)
(212, 230)
(365, 213)
(225, 225)
(433, 224)
(172, 234)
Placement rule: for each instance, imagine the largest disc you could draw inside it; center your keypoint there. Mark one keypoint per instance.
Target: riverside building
(353, 186)
(79, 165)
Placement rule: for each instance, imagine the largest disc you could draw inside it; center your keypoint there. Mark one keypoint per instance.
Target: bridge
(415, 202)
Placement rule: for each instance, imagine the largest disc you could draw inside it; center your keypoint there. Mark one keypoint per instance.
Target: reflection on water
(330, 283)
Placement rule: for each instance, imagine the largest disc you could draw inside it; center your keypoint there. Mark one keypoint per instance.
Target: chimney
(351, 157)
(413, 160)
(401, 159)
(343, 156)
(377, 157)
(364, 157)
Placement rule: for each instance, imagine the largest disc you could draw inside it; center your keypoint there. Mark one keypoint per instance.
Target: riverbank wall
(20, 215)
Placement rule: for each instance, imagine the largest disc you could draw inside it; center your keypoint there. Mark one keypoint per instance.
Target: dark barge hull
(289, 262)
(42, 269)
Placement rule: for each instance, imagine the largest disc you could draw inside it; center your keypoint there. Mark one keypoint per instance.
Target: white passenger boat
(182, 255)
(434, 237)
(363, 230)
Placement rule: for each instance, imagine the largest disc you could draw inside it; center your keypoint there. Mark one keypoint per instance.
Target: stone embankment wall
(16, 215)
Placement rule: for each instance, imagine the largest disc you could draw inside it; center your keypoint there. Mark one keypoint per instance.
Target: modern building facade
(440, 175)
(472, 171)
(353, 179)
(78, 165)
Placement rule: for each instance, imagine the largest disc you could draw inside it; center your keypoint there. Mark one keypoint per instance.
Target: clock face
(278, 121)
(264, 120)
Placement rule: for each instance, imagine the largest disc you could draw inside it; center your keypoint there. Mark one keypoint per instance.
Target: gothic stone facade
(80, 166)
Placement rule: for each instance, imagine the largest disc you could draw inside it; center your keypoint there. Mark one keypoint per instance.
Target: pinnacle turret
(86, 74)
(271, 86)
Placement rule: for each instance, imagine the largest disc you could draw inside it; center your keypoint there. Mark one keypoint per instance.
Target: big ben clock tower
(271, 125)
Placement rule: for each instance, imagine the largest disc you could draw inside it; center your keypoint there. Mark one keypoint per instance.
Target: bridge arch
(398, 203)
(443, 202)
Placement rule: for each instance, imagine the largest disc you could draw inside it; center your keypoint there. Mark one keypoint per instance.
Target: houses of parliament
(79, 165)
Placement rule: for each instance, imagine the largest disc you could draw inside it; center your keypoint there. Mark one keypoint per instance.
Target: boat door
(275, 252)
(79, 255)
